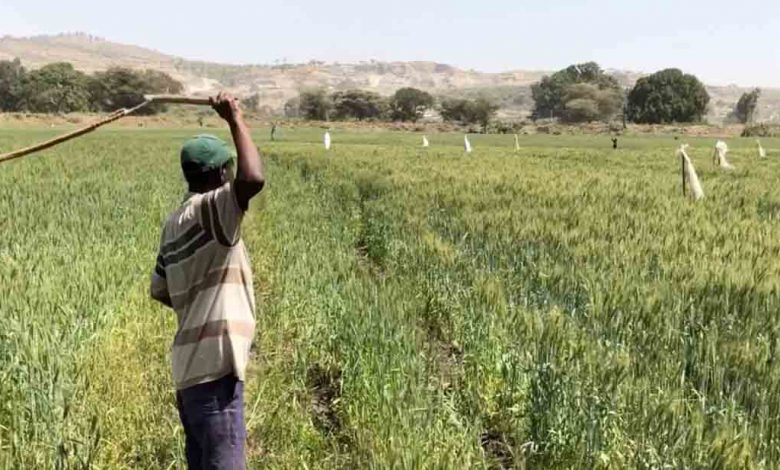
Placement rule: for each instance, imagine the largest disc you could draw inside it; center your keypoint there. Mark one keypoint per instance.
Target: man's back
(203, 273)
(208, 276)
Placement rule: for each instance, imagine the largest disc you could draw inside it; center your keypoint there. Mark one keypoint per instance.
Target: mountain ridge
(276, 84)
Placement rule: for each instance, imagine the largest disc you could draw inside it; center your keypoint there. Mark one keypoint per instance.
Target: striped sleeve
(221, 214)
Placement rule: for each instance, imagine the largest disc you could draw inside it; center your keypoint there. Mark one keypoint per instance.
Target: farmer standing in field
(204, 274)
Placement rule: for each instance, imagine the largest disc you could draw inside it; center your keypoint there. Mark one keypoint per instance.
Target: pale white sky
(722, 41)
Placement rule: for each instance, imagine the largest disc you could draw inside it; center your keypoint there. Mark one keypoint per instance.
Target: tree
(120, 87)
(409, 104)
(479, 111)
(315, 105)
(586, 102)
(116, 88)
(358, 104)
(746, 107)
(668, 96)
(550, 93)
(453, 109)
(11, 84)
(161, 83)
(56, 88)
(292, 108)
(252, 102)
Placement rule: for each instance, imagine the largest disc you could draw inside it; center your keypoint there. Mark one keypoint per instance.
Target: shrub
(668, 96)
(761, 130)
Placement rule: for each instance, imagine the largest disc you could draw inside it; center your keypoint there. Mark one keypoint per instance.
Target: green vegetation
(314, 105)
(745, 110)
(668, 96)
(578, 93)
(11, 89)
(59, 88)
(558, 307)
(464, 111)
(409, 104)
(55, 88)
(358, 104)
(761, 130)
(124, 88)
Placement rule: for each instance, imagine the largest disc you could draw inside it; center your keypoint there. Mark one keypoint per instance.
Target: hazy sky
(722, 41)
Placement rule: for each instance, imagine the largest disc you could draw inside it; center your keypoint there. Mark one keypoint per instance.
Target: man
(204, 274)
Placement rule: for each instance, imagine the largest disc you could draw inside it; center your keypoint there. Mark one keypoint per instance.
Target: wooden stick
(65, 137)
(173, 99)
(118, 114)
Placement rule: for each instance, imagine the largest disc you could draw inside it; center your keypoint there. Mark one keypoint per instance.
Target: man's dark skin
(250, 176)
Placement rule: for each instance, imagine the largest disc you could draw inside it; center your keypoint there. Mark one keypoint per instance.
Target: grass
(561, 306)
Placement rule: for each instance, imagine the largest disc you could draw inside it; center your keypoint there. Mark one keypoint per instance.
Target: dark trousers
(213, 418)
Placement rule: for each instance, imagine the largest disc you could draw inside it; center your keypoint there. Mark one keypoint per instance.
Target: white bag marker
(719, 157)
(689, 175)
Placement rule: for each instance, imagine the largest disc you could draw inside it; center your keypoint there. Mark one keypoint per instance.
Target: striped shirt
(203, 267)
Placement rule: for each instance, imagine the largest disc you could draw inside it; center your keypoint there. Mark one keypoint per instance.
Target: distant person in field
(614, 143)
(204, 274)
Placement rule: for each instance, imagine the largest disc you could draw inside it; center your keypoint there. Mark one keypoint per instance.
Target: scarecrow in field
(204, 274)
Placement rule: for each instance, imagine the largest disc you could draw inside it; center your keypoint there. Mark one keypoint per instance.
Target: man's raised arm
(250, 176)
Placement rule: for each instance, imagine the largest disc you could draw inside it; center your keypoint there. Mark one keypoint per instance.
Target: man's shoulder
(184, 215)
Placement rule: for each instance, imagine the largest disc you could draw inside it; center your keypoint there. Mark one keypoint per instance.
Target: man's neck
(202, 189)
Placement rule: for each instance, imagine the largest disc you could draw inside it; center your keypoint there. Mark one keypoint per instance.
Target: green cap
(203, 153)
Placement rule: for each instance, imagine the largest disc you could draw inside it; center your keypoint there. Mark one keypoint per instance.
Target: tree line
(405, 105)
(585, 92)
(579, 93)
(60, 88)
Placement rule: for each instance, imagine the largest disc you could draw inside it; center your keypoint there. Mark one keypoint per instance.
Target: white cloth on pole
(690, 174)
(761, 151)
(721, 149)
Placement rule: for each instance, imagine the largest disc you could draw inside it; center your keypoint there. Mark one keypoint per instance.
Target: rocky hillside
(278, 83)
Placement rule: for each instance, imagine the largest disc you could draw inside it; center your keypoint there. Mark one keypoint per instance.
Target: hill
(278, 83)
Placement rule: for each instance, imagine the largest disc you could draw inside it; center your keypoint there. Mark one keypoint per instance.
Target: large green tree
(668, 96)
(551, 92)
(56, 88)
(479, 111)
(315, 105)
(745, 110)
(11, 84)
(120, 87)
(358, 104)
(409, 104)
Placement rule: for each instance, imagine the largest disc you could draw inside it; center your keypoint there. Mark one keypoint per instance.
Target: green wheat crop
(558, 307)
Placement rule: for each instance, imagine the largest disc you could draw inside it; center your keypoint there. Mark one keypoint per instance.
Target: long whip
(116, 115)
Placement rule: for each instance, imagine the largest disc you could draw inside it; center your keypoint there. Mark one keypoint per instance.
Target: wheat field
(562, 306)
